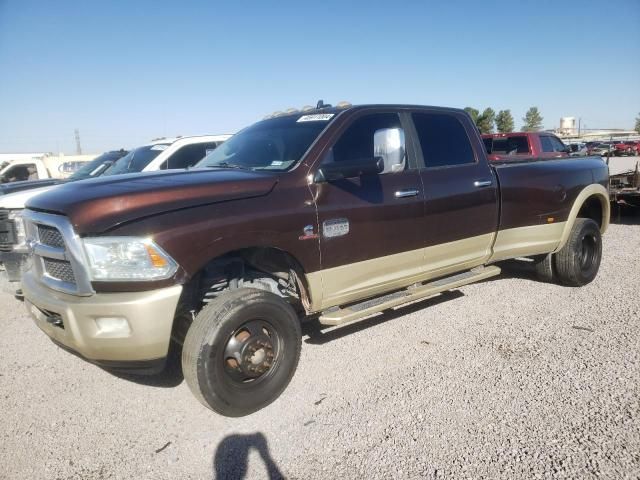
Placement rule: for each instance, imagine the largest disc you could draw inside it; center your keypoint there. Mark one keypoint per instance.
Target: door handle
(407, 192)
(482, 183)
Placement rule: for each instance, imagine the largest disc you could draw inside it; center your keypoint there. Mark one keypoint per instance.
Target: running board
(338, 316)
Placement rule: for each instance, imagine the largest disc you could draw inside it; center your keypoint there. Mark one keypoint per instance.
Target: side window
(209, 147)
(545, 141)
(357, 140)
(19, 173)
(186, 156)
(557, 144)
(443, 139)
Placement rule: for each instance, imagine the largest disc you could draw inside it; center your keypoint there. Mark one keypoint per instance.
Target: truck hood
(97, 205)
(18, 200)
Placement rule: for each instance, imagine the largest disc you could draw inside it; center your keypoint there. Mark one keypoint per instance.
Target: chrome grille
(50, 236)
(57, 256)
(59, 269)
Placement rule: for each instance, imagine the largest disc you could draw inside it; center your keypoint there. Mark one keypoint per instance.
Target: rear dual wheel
(578, 262)
(241, 351)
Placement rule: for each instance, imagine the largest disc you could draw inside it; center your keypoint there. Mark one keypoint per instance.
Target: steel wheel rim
(251, 353)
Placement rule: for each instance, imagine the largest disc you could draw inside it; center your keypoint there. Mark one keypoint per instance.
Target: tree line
(488, 120)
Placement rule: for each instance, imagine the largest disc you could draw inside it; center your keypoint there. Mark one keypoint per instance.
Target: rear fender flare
(596, 190)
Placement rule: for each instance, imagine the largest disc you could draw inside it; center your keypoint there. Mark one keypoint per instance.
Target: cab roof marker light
(344, 104)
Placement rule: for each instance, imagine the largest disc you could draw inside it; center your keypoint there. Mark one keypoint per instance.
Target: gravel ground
(509, 378)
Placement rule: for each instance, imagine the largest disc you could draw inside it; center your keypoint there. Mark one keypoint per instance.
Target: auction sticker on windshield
(318, 117)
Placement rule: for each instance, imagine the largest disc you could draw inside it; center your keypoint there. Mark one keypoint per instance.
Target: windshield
(137, 159)
(97, 166)
(276, 144)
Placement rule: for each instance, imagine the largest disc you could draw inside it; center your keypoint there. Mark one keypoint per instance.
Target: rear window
(510, 145)
(443, 139)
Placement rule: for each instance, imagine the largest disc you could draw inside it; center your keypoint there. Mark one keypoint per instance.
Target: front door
(371, 227)
(461, 193)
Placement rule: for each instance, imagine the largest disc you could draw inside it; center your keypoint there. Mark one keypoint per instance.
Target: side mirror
(333, 171)
(567, 150)
(388, 144)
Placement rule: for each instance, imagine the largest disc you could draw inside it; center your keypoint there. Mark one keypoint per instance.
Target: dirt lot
(506, 379)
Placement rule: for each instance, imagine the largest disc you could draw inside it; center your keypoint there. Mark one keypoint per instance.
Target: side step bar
(338, 316)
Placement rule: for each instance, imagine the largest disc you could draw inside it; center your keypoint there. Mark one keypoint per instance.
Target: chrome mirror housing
(389, 144)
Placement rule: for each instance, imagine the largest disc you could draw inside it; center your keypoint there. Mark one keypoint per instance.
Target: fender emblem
(308, 233)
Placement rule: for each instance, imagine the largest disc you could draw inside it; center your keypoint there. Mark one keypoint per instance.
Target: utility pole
(78, 147)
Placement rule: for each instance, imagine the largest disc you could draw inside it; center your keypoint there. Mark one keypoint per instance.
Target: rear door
(461, 193)
(371, 228)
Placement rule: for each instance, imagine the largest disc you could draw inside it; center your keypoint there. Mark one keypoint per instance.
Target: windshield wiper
(228, 165)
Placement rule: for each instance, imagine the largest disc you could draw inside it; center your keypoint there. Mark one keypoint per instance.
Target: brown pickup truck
(330, 214)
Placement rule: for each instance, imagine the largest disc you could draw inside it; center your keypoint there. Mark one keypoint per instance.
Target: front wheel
(578, 262)
(241, 351)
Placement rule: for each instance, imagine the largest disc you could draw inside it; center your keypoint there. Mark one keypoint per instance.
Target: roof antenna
(321, 105)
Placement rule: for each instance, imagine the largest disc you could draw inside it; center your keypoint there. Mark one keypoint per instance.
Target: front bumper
(72, 322)
(13, 263)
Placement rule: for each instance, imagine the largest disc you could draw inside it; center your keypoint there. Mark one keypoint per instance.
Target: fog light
(113, 326)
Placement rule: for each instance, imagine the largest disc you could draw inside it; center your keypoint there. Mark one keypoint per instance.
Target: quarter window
(443, 140)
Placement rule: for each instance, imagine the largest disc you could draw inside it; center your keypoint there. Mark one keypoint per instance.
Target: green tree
(532, 120)
(473, 113)
(486, 121)
(504, 121)
(637, 129)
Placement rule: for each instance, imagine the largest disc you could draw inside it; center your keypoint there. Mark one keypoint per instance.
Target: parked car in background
(622, 149)
(90, 169)
(162, 154)
(524, 144)
(601, 149)
(43, 167)
(578, 149)
(333, 214)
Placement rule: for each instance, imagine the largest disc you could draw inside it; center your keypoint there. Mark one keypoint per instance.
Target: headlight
(21, 237)
(127, 259)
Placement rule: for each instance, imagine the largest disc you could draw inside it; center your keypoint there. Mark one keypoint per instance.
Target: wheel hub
(250, 352)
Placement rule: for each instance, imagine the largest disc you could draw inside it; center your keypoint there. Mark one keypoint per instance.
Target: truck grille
(57, 255)
(7, 232)
(50, 236)
(59, 269)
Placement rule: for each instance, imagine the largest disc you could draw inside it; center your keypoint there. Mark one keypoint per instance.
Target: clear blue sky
(124, 72)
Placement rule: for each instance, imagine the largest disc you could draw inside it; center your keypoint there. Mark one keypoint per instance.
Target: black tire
(227, 338)
(545, 270)
(579, 260)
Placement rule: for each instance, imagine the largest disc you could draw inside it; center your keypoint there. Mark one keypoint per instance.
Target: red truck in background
(502, 146)
(626, 148)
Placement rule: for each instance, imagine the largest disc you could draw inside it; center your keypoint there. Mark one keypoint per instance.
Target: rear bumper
(74, 323)
(13, 262)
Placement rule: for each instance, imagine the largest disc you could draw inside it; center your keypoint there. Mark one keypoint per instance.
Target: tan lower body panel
(524, 241)
(355, 281)
(149, 316)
